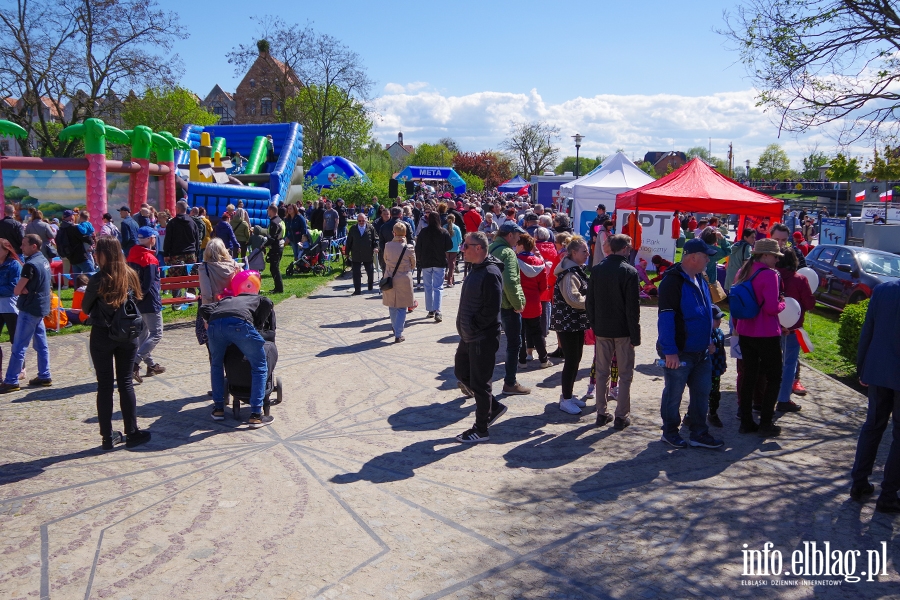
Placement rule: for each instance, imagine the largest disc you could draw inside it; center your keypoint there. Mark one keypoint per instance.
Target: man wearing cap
(686, 341)
(142, 258)
(70, 244)
(597, 223)
(530, 223)
(182, 243)
(129, 229)
(513, 301)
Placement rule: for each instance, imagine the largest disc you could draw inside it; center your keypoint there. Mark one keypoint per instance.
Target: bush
(850, 327)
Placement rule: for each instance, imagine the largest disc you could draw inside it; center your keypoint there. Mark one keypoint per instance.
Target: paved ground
(357, 489)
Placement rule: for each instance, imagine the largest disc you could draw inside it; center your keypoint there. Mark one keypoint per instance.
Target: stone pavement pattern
(357, 489)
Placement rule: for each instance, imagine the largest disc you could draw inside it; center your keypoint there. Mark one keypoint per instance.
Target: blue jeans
(398, 319)
(433, 278)
(296, 249)
(512, 327)
(29, 329)
(231, 330)
(790, 350)
(85, 267)
(697, 376)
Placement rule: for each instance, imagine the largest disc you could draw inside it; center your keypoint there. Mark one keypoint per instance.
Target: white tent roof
(618, 174)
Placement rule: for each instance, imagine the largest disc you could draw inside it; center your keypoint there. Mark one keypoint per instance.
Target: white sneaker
(569, 406)
(579, 402)
(590, 392)
(546, 364)
(614, 392)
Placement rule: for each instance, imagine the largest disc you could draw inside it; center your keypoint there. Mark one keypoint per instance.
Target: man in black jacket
(10, 229)
(182, 243)
(361, 244)
(70, 244)
(613, 308)
(478, 325)
(275, 244)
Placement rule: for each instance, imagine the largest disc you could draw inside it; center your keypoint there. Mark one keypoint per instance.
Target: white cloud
(637, 124)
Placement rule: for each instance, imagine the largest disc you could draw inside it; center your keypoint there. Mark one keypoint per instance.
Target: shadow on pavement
(55, 393)
(431, 417)
(400, 465)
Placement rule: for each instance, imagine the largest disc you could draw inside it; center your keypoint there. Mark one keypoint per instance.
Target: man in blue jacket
(876, 363)
(129, 229)
(142, 258)
(685, 327)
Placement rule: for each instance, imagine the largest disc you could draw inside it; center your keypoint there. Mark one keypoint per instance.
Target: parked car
(847, 274)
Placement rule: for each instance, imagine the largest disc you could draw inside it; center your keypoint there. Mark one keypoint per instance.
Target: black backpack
(127, 322)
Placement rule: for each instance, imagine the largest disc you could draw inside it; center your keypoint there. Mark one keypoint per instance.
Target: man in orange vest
(635, 231)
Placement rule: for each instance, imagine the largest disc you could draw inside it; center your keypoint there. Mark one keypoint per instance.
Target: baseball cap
(68, 213)
(510, 227)
(531, 217)
(146, 232)
(717, 312)
(698, 245)
(125, 208)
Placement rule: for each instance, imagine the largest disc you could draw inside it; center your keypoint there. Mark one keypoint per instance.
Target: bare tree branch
(533, 146)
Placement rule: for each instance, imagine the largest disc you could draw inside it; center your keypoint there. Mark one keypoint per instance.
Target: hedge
(850, 327)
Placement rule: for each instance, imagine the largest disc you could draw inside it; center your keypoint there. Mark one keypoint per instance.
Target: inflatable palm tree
(94, 133)
(9, 129)
(165, 155)
(143, 140)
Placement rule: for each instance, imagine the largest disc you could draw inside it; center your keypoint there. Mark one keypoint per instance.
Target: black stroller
(238, 377)
(311, 259)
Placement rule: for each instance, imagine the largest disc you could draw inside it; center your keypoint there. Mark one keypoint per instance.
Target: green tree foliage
(474, 183)
(774, 163)
(14, 194)
(374, 159)
(720, 164)
(166, 109)
(431, 155)
(811, 164)
(585, 164)
(844, 169)
(849, 329)
(357, 192)
(648, 168)
(885, 166)
(334, 122)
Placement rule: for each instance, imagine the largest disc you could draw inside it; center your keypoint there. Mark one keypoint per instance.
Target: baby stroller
(238, 378)
(311, 259)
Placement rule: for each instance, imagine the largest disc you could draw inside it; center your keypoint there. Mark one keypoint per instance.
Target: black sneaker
(136, 375)
(255, 420)
(6, 388)
(706, 441)
(113, 440)
(786, 407)
(604, 419)
(137, 438)
(887, 504)
(430, 314)
(750, 427)
(621, 423)
(438, 317)
(468, 393)
(218, 414)
(472, 436)
(496, 414)
(558, 353)
(686, 421)
(858, 491)
(40, 382)
(769, 430)
(714, 420)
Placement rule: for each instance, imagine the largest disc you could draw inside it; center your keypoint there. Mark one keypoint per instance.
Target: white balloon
(812, 276)
(791, 313)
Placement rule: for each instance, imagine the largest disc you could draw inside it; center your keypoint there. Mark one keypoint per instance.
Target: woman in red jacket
(796, 286)
(533, 287)
(544, 246)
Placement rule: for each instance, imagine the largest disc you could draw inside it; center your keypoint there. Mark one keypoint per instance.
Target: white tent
(618, 174)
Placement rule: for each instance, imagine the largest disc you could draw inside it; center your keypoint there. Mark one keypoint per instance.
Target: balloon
(242, 282)
(812, 276)
(791, 313)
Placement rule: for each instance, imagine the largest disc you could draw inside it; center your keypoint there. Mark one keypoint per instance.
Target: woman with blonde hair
(215, 273)
(400, 262)
(569, 318)
(107, 290)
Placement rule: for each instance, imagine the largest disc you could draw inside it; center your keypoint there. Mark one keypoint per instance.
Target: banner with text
(657, 234)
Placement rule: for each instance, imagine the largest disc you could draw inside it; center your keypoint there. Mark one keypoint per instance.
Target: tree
(431, 155)
(820, 61)
(84, 52)
(811, 164)
(886, 165)
(844, 169)
(648, 168)
(585, 164)
(774, 163)
(335, 86)
(474, 183)
(374, 159)
(347, 132)
(492, 167)
(166, 109)
(532, 145)
(450, 143)
(700, 152)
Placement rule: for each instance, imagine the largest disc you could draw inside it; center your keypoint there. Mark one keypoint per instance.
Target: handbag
(387, 282)
(716, 292)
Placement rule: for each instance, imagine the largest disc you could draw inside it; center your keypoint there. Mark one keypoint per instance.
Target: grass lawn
(821, 324)
(295, 285)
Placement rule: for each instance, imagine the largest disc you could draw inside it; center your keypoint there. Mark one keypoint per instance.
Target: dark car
(847, 274)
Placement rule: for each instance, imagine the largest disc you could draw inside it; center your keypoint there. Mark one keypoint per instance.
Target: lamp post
(487, 174)
(578, 137)
(750, 179)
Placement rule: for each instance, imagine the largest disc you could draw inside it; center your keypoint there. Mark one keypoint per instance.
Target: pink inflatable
(242, 282)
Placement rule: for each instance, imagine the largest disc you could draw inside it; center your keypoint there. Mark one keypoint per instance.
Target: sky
(640, 76)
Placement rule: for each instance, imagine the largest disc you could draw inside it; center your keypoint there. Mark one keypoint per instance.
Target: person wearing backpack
(110, 299)
(33, 291)
(740, 254)
(759, 336)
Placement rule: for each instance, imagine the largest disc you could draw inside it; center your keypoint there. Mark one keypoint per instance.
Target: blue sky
(634, 75)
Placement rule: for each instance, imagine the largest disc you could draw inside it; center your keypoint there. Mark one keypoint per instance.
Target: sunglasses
(465, 245)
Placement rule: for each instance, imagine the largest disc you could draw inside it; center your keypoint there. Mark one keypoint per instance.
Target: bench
(180, 283)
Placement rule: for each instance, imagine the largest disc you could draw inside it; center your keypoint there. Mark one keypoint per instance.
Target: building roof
(217, 90)
(407, 147)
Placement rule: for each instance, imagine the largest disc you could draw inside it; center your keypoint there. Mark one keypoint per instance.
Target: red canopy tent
(697, 187)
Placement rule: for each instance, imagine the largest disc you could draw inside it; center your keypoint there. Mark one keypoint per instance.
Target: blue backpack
(742, 299)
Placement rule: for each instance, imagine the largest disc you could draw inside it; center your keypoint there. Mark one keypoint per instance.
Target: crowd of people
(524, 272)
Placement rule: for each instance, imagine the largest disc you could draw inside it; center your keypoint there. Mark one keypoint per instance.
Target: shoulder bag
(387, 282)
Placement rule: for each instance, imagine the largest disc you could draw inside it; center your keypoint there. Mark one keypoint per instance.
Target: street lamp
(578, 137)
(748, 171)
(487, 175)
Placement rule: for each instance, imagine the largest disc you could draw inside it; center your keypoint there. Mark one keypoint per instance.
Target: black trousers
(761, 357)
(474, 366)
(103, 352)
(572, 343)
(884, 406)
(275, 269)
(533, 337)
(357, 274)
